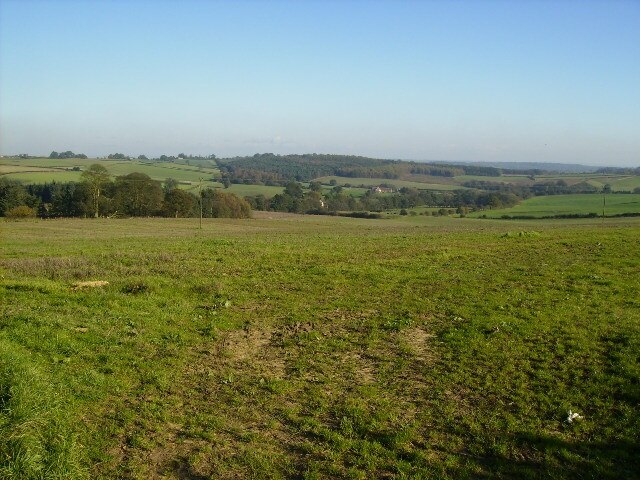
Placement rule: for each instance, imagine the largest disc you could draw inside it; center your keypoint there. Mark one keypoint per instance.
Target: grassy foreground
(320, 347)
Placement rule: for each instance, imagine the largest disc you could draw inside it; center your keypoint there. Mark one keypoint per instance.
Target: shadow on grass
(181, 468)
(551, 457)
(531, 457)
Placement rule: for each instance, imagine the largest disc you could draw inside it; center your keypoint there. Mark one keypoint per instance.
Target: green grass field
(397, 183)
(569, 204)
(308, 347)
(59, 176)
(515, 179)
(617, 182)
(55, 169)
(626, 183)
(241, 190)
(253, 190)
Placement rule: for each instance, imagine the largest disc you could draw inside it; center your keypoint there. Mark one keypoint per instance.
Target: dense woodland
(97, 195)
(272, 169)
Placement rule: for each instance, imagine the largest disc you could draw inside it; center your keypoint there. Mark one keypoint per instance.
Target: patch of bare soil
(239, 357)
(253, 347)
(418, 340)
(363, 369)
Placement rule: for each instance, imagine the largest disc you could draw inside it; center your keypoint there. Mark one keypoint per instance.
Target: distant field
(5, 169)
(60, 176)
(569, 204)
(515, 179)
(53, 169)
(626, 183)
(379, 181)
(618, 182)
(306, 347)
(243, 190)
(53, 162)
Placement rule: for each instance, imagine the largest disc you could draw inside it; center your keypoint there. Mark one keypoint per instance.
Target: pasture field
(569, 204)
(309, 347)
(515, 179)
(239, 189)
(31, 177)
(617, 182)
(373, 182)
(252, 190)
(626, 183)
(7, 169)
(43, 170)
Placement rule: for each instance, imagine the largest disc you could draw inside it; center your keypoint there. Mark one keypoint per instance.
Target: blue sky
(427, 80)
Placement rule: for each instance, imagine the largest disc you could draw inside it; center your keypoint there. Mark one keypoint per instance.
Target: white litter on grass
(573, 416)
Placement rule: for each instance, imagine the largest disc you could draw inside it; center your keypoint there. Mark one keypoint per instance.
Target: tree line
(98, 195)
(67, 154)
(296, 199)
(280, 169)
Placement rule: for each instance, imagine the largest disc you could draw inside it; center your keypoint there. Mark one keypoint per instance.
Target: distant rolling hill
(548, 167)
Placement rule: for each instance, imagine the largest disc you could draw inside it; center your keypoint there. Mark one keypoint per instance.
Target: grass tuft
(36, 436)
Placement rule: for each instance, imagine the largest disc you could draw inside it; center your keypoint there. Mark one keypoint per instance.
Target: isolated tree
(95, 177)
(142, 157)
(226, 183)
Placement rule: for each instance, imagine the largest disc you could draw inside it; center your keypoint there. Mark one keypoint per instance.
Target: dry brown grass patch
(418, 340)
(90, 284)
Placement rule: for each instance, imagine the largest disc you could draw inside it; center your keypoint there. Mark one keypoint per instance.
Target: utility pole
(200, 191)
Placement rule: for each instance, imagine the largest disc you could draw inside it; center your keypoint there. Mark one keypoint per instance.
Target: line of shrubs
(330, 213)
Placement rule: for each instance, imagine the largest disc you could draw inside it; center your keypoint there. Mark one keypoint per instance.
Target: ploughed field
(320, 347)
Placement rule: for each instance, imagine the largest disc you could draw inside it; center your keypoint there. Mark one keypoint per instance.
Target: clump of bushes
(135, 288)
(20, 212)
(523, 233)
